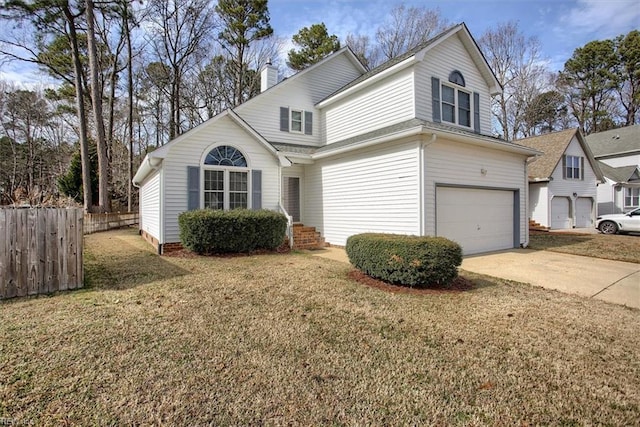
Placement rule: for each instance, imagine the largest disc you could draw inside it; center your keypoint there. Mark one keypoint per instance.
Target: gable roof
(615, 142)
(620, 174)
(417, 54)
(154, 158)
(553, 146)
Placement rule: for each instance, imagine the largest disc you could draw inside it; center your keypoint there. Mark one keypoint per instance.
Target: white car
(619, 223)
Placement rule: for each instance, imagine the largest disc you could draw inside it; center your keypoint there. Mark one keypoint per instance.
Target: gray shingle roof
(619, 174)
(615, 141)
(398, 59)
(553, 145)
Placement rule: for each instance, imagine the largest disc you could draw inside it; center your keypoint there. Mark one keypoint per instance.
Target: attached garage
(584, 207)
(479, 219)
(560, 213)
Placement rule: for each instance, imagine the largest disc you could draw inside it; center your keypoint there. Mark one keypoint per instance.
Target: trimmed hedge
(405, 260)
(238, 230)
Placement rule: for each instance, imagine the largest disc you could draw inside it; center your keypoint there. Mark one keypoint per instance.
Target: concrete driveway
(613, 281)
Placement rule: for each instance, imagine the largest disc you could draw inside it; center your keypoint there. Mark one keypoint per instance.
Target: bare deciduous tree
(516, 62)
(407, 27)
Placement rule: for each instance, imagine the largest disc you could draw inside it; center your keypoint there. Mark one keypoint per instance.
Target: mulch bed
(459, 284)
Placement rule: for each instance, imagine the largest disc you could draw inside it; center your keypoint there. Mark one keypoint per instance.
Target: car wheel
(608, 227)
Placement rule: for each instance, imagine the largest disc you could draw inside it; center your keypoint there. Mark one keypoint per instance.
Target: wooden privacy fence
(108, 221)
(40, 251)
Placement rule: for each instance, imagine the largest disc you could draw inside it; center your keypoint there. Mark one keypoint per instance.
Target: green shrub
(406, 260)
(239, 230)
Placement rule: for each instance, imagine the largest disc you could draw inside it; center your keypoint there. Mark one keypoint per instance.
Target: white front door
(291, 196)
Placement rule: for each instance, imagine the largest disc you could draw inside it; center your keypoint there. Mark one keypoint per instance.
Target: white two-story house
(404, 148)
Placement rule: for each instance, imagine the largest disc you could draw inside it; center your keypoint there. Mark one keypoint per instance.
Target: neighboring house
(562, 181)
(618, 154)
(404, 148)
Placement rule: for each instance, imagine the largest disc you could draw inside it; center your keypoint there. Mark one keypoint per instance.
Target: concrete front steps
(307, 238)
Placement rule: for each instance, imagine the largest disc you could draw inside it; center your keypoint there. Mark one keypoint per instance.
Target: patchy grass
(291, 340)
(616, 247)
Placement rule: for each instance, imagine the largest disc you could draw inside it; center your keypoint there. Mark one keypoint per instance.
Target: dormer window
(456, 106)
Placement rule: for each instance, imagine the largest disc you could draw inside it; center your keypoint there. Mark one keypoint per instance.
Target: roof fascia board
(420, 130)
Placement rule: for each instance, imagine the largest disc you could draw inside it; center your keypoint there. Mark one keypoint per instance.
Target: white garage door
(583, 212)
(560, 217)
(479, 220)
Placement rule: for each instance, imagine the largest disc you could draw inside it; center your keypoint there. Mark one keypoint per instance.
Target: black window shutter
(308, 122)
(564, 167)
(582, 168)
(476, 112)
(284, 119)
(256, 189)
(193, 187)
(435, 99)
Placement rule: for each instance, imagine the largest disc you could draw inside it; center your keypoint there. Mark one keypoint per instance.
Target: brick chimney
(268, 76)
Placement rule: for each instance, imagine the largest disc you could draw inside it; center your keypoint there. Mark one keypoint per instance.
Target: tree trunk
(129, 107)
(82, 117)
(104, 199)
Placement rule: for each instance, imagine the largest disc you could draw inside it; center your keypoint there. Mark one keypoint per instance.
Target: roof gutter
(149, 164)
(369, 142)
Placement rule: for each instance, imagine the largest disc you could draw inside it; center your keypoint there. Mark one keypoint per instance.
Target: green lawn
(291, 340)
(616, 247)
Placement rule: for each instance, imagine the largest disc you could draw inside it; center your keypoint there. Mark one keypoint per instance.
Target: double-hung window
(453, 103)
(572, 167)
(631, 197)
(226, 179)
(297, 121)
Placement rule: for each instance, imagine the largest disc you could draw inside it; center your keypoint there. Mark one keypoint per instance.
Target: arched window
(225, 155)
(226, 179)
(456, 77)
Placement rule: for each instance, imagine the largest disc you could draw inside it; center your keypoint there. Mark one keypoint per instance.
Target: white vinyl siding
(560, 187)
(539, 203)
(190, 153)
(300, 93)
(439, 62)
(382, 104)
(452, 163)
(150, 205)
(374, 190)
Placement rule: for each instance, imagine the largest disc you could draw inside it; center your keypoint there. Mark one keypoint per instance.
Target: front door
(291, 196)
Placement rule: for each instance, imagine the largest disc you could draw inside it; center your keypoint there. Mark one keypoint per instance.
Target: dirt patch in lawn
(292, 340)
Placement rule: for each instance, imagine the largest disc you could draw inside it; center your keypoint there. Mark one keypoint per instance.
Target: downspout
(526, 205)
(422, 145)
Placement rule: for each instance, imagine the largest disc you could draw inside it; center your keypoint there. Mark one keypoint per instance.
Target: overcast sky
(560, 25)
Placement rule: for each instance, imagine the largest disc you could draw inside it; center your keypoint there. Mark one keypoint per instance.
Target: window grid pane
(238, 190)
(631, 197)
(296, 121)
(572, 167)
(464, 109)
(448, 104)
(213, 189)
